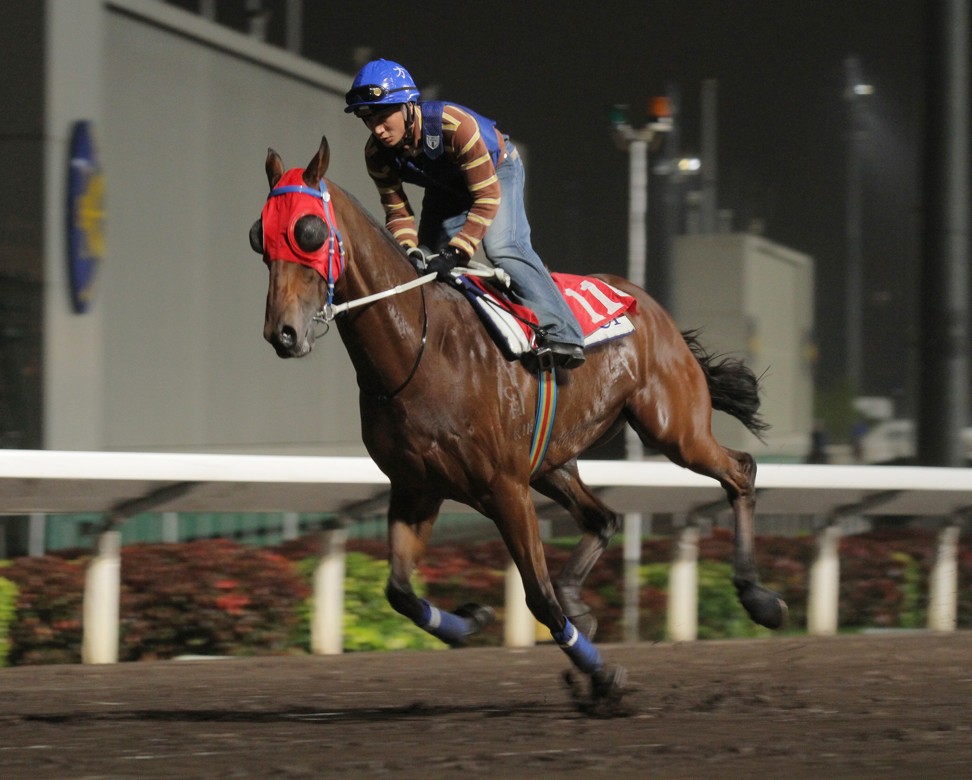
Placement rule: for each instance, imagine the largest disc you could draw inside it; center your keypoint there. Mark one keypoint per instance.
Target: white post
(102, 594)
(519, 627)
(327, 622)
(943, 583)
(290, 527)
(683, 587)
(823, 598)
(170, 527)
(37, 534)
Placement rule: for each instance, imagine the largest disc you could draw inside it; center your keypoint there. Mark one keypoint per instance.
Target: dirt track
(855, 707)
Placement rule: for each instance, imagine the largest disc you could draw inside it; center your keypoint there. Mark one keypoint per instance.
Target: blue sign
(86, 216)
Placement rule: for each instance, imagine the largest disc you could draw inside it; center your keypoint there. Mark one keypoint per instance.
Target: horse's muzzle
(287, 344)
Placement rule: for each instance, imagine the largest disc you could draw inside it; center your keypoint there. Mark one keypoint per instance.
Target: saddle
(599, 309)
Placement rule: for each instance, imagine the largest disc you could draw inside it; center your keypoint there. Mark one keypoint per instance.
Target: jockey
(465, 165)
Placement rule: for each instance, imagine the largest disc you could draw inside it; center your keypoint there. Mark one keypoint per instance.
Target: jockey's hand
(418, 258)
(445, 261)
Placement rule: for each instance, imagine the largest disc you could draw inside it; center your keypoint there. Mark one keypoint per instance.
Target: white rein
(330, 311)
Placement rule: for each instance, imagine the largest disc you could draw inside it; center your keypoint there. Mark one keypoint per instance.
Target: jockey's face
(388, 126)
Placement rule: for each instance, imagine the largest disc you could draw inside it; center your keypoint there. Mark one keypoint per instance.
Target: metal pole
(709, 158)
(637, 246)
(853, 291)
(944, 341)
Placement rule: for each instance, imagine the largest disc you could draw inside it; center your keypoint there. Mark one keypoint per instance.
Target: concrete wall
(754, 299)
(171, 354)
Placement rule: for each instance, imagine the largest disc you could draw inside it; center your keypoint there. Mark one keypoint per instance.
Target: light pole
(854, 90)
(636, 141)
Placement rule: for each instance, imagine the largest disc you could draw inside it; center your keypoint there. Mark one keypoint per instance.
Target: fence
(117, 486)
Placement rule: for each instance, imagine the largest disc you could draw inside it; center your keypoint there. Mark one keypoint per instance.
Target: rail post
(102, 595)
(327, 623)
(823, 598)
(943, 583)
(683, 586)
(519, 625)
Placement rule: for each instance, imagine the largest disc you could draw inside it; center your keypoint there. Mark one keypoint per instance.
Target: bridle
(331, 264)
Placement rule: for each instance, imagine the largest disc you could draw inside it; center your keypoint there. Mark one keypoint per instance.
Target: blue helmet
(380, 83)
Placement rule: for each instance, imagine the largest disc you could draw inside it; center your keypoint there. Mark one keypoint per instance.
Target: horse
(445, 415)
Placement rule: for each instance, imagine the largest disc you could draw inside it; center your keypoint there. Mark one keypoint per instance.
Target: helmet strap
(409, 112)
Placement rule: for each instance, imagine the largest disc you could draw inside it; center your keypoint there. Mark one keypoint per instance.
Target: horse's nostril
(288, 336)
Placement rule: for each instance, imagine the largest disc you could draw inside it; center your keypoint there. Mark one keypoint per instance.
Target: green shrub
(8, 606)
(369, 621)
(208, 597)
(47, 625)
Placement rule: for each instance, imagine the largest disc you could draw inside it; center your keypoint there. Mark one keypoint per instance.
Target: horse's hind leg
(736, 472)
(598, 524)
(688, 441)
(764, 606)
(410, 521)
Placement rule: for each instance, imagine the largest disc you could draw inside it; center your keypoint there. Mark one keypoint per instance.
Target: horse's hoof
(477, 615)
(765, 607)
(606, 691)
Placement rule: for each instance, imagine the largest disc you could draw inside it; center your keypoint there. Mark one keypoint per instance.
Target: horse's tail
(732, 384)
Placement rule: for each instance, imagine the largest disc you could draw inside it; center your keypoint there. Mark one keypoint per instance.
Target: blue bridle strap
(299, 188)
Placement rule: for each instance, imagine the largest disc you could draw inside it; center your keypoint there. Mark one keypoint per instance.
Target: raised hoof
(765, 607)
(603, 699)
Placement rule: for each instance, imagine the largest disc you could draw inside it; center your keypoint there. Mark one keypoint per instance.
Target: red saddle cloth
(593, 302)
(597, 306)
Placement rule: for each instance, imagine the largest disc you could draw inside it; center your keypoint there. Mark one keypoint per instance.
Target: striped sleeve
(461, 136)
(399, 217)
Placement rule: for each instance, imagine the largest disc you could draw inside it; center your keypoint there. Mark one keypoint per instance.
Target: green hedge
(219, 597)
(8, 606)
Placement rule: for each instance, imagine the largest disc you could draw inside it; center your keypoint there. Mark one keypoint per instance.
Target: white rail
(118, 485)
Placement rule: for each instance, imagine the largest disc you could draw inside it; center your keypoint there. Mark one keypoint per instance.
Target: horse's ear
(317, 167)
(274, 166)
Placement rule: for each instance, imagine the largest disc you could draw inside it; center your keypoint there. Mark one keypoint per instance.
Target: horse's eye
(256, 237)
(310, 232)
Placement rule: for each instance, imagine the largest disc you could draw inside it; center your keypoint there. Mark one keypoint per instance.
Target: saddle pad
(598, 306)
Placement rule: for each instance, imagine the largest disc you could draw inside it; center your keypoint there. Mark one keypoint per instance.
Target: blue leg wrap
(450, 628)
(579, 648)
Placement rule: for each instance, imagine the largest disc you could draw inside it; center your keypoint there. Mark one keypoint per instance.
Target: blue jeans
(507, 245)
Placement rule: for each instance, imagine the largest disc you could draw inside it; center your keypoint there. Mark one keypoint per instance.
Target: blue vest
(431, 168)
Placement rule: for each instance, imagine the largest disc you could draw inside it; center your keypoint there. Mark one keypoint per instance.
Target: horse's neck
(383, 338)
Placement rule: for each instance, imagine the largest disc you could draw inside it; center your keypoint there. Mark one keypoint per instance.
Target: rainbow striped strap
(543, 426)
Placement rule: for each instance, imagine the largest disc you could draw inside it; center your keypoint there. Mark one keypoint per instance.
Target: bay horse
(446, 416)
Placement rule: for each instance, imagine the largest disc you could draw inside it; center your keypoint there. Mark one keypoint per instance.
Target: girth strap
(546, 409)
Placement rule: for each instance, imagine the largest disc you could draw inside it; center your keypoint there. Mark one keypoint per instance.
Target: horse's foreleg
(410, 522)
(516, 519)
(598, 524)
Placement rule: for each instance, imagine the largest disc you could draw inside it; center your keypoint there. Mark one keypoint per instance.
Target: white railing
(118, 485)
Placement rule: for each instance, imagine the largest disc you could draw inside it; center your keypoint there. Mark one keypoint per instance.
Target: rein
(326, 315)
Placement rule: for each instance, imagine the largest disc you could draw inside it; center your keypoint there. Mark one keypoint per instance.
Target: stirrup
(543, 358)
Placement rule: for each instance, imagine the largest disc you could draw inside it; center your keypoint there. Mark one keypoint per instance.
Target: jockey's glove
(445, 261)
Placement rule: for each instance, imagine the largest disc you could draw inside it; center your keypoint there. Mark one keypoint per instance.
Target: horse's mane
(373, 220)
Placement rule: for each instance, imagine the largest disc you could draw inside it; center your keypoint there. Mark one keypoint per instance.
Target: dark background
(549, 73)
